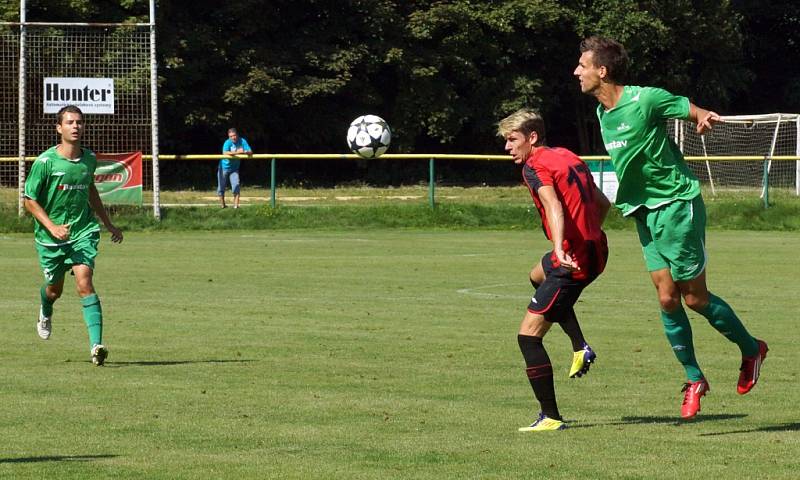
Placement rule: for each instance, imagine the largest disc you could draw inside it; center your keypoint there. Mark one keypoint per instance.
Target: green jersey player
(61, 195)
(658, 190)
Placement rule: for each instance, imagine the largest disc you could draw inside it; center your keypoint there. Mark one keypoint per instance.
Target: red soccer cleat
(751, 369)
(691, 397)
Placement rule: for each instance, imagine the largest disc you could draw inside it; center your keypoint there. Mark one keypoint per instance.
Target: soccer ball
(369, 136)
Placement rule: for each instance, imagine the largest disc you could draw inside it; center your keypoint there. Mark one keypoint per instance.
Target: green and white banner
(118, 178)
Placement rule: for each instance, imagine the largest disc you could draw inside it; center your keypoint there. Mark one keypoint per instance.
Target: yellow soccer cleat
(582, 360)
(544, 424)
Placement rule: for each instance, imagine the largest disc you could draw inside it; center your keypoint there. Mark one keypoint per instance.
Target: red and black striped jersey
(575, 188)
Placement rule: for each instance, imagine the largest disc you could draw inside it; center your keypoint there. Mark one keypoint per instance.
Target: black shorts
(558, 293)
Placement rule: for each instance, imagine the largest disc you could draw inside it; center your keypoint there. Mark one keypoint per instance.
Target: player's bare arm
(555, 219)
(59, 232)
(102, 214)
(705, 119)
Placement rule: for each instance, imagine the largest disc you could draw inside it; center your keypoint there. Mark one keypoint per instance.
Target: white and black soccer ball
(369, 136)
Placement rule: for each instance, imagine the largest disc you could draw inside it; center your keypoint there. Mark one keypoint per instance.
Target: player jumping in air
(572, 209)
(657, 189)
(61, 195)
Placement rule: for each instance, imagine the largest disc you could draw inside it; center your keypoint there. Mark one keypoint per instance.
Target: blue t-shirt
(232, 164)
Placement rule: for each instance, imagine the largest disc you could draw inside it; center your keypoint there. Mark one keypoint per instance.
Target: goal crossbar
(763, 138)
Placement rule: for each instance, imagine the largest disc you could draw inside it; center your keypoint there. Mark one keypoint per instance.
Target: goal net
(745, 146)
(117, 51)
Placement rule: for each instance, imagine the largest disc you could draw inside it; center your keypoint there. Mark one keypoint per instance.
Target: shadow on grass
(671, 420)
(783, 427)
(57, 458)
(169, 362)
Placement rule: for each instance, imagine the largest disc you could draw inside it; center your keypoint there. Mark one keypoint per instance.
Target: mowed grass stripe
(317, 354)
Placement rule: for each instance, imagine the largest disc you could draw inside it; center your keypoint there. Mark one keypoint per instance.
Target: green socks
(722, 317)
(93, 316)
(47, 305)
(679, 334)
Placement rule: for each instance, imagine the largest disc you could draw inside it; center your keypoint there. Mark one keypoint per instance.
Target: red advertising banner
(118, 178)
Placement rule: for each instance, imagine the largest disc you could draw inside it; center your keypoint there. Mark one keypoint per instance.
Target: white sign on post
(91, 95)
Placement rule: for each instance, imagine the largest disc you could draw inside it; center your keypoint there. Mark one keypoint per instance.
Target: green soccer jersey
(61, 187)
(650, 168)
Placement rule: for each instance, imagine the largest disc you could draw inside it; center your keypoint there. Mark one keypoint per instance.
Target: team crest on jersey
(623, 126)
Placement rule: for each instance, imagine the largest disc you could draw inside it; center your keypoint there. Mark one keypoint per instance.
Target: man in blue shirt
(228, 170)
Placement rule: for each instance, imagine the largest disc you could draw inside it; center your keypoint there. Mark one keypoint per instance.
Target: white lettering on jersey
(615, 145)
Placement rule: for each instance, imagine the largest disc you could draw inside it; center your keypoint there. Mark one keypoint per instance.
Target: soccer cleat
(543, 424)
(99, 354)
(691, 397)
(582, 360)
(44, 325)
(751, 369)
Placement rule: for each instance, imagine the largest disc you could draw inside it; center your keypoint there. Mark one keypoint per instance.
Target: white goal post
(744, 152)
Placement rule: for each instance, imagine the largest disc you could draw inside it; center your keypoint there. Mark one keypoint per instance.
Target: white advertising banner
(91, 95)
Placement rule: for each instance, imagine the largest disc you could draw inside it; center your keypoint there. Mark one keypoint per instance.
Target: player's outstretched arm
(59, 232)
(705, 119)
(100, 211)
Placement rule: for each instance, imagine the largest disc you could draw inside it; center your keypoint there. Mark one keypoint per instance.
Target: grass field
(498, 208)
(381, 354)
(409, 194)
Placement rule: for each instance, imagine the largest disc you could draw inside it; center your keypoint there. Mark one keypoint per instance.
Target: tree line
(292, 74)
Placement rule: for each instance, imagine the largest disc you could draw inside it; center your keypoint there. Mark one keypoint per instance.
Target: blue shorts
(224, 177)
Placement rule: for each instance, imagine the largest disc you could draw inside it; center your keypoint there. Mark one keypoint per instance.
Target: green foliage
(772, 32)
(441, 72)
(77, 10)
(469, 64)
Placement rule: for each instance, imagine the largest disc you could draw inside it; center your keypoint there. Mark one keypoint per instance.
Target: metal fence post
(766, 183)
(431, 184)
(602, 173)
(272, 182)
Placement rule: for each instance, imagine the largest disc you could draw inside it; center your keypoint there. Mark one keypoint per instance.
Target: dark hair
(608, 53)
(67, 109)
(232, 130)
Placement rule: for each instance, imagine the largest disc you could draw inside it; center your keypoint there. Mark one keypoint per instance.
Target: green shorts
(56, 261)
(674, 236)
